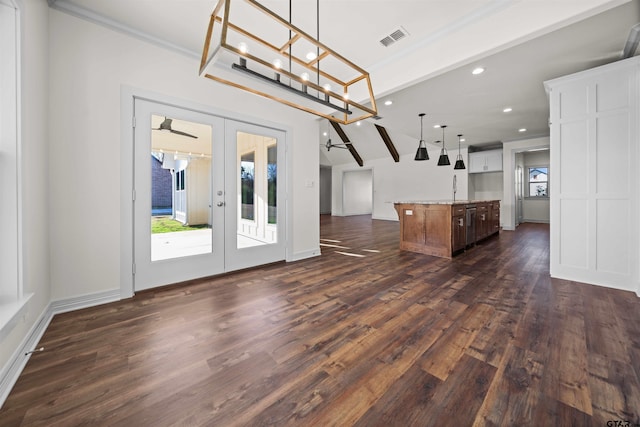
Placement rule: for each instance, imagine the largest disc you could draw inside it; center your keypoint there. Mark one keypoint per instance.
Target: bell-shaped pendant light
(459, 162)
(443, 160)
(421, 154)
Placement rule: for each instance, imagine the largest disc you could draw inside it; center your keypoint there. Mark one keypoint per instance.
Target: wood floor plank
(615, 390)
(566, 367)
(405, 403)
(389, 338)
(442, 357)
(518, 377)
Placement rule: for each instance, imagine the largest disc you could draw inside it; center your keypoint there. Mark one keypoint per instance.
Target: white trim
(13, 309)
(10, 314)
(85, 301)
(384, 218)
(16, 363)
(304, 254)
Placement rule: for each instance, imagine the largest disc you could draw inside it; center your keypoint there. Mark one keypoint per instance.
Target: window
(12, 298)
(247, 174)
(180, 180)
(272, 173)
(539, 181)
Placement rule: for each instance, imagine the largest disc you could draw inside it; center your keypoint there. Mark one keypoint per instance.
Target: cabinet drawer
(458, 210)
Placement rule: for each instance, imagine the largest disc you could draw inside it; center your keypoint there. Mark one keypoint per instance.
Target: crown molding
(67, 7)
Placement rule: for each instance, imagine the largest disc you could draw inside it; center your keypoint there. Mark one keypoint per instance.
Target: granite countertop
(441, 202)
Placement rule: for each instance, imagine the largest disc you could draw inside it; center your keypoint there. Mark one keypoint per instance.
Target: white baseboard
(15, 365)
(304, 255)
(85, 301)
(385, 218)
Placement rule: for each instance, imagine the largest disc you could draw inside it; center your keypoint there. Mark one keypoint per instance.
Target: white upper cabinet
(485, 161)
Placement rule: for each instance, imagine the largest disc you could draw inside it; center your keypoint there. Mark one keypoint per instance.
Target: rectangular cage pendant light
(252, 48)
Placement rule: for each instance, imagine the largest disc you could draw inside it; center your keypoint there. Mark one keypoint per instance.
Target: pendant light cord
(290, 34)
(318, 39)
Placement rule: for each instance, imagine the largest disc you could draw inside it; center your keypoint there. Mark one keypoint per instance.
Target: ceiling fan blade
(166, 124)
(178, 132)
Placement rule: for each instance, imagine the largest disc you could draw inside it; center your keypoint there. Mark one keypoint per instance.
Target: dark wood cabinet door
(458, 233)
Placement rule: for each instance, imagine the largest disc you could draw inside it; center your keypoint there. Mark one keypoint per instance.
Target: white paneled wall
(594, 179)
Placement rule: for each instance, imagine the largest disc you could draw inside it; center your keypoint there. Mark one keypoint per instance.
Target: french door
(206, 195)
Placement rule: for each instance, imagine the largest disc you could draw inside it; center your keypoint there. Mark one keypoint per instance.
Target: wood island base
(444, 228)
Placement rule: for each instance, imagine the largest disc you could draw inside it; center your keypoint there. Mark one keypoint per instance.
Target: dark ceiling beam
(343, 136)
(387, 141)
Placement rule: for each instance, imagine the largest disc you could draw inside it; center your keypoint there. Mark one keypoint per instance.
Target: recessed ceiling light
(388, 102)
(277, 63)
(324, 134)
(522, 130)
(477, 70)
(462, 140)
(507, 110)
(327, 87)
(311, 56)
(357, 123)
(436, 126)
(242, 47)
(304, 76)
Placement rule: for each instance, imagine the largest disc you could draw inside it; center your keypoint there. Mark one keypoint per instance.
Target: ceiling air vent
(396, 35)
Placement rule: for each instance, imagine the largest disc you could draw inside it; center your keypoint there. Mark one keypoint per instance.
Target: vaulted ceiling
(520, 43)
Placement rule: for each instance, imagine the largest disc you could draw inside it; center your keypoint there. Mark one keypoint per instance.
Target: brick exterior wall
(160, 185)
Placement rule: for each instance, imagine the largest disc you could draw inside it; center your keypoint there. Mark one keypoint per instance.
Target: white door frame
(127, 96)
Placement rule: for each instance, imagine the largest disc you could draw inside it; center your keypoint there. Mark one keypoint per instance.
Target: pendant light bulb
(421, 153)
(459, 162)
(443, 160)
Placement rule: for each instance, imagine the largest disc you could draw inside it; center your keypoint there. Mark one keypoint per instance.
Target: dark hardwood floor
(364, 335)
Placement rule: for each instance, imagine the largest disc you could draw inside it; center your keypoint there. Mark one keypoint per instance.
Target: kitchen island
(445, 227)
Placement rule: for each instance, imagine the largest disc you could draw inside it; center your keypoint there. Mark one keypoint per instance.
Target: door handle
(220, 203)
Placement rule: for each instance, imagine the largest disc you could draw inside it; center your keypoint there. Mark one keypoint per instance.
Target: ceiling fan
(166, 126)
(329, 145)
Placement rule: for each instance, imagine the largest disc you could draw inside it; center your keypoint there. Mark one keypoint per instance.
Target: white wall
(357, 196)
(403, 181)
(486, 186)
(509, 150)
(35, 201)
(89, 65)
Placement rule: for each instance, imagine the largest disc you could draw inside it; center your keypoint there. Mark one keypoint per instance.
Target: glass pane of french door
(257, 188)
(255, 159)
(180, 188)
